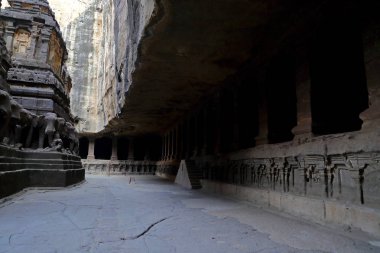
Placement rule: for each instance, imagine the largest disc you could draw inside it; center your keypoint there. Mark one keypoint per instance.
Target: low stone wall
(331, 188)
(119, 167)
(351, 177)
(319, 210)
(23, 169)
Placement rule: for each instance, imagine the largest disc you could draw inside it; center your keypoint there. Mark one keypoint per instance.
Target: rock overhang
(191, 48)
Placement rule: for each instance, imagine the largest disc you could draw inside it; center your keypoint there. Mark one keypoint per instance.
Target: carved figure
(57, 144)
(24, 124)
(14, 122)
(72, 136)
(5, 113)
(60, 127)
(35, 125)
(48, 129)
(21, 41)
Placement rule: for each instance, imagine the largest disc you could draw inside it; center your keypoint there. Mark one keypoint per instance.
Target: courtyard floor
(109, 214)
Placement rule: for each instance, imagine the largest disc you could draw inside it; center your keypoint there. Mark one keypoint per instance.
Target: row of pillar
(114, 156)
(249, 114)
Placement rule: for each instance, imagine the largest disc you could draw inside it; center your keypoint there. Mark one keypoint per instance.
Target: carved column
(218, 122)
(169, 136)
(162, 147)
(9, 34)
(188, 136)
(205, 130)
(164, 144)
(235, 135)
(173, 142)
(303, 128)
(45, 39)
(183, 140)
(34, 37)
(169, 146)
(91, 149)
(179, 141)
(114, 149)
(196, 137)
(176, 150)
(131, 149)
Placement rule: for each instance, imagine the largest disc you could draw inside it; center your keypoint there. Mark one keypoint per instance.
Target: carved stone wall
(37, 149)
(38, 53)
(119, 167)
(55, 58)
(350, 177)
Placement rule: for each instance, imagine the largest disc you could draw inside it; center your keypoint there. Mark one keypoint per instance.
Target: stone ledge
(23, 169)
(14, 181)
(321, 211)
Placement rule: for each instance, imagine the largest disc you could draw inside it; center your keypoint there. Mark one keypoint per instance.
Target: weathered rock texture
(103, 39)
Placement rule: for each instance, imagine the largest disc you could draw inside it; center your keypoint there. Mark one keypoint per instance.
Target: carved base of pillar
(261, 140)
(371, 116)
(90, 157)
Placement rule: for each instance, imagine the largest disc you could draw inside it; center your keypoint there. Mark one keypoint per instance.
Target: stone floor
(107, 214)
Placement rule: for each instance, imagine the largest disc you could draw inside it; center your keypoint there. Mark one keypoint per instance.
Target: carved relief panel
(21, 41)
(55, 53)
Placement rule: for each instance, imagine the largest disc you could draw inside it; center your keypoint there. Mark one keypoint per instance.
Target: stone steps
(195, 175)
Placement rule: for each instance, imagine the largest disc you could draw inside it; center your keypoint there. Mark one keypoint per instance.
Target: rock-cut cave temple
(271, 102)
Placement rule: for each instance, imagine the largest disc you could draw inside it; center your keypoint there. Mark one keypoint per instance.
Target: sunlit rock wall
(102, 37)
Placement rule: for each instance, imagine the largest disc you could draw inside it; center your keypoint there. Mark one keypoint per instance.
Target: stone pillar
(114, 149)
(176, 137)
(181, 142)
(164, 147)
(170, 146)
(167, 140)
(218, 123)
(44, 50)
(172, 142)
(205, 130)
(196, 137)
(303, 128)
(131, 149)
(187, 138)
(91, 149)
(235, 135)
(262, 137)
(9, 34)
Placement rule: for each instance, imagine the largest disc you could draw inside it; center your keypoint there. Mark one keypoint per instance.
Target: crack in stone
(11, 236)
(144, 232)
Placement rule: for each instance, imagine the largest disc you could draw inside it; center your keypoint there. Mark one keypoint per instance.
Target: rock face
(102, 39)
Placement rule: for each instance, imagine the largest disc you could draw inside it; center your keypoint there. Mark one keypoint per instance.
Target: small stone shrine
(38, 142)
(38, 77)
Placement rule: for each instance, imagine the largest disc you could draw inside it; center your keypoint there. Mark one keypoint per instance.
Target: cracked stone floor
(107, 214)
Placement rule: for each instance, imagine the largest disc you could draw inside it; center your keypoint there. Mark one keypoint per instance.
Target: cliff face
(102, 37)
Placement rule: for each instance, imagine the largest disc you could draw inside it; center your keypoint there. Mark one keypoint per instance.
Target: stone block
(182, 177)
(310, 208)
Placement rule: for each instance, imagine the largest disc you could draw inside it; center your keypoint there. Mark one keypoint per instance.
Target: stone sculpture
(5, 113)
(48, 130)
(37, 66)
(14, 122)
(23, 127)
(72, 138)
